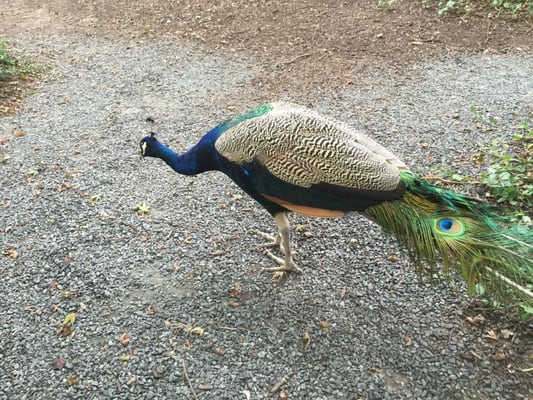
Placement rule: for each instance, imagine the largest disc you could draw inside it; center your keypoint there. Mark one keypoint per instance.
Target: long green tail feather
(438, 225)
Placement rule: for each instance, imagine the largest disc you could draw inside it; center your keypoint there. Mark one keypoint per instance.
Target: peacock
(290, 158)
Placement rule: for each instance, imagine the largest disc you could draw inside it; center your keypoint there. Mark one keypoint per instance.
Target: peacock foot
(285, 265)
(273, 241)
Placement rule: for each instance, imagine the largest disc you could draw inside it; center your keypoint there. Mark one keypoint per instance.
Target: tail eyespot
(449, 226)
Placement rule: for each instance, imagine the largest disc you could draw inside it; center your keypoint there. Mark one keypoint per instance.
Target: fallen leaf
(499, 355)
(53, 286)
(94, 200)
(4, 141)
(236, 291)
(219, 351)
(70, 319)
(65, 330)
(342, 293)
(72, 380)
(67, 294)
(65, 186)
(132, 380)
(491, 335)
(142, 208)
(197, 331)
(325, 324)
(19, 133)
(507, 334)
(125, 357)
(14, 254)
(407, 341)
(187, 240)
(283, 394)
(233, 303)
(306, 340)
(478, 319)
(393, 258)
(124, 341)
(59, 363)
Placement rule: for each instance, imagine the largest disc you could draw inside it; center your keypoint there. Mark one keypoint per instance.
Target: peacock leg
(283, 237)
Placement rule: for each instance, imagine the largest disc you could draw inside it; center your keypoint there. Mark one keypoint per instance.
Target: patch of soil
(301, 45)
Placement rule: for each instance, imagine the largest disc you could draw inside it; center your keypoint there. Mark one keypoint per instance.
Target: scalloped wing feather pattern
(304, 148)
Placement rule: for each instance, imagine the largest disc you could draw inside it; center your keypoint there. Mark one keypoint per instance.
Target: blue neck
(198, 159)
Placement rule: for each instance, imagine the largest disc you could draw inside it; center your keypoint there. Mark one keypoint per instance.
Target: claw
(274, 241)
(285, 265)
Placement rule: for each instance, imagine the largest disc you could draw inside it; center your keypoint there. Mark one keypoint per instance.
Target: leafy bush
(514, 7)
(8, 63)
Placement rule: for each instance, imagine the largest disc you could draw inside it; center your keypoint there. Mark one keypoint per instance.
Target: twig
(292, 60)
(510, 282)
(278, 385)
(195, 397)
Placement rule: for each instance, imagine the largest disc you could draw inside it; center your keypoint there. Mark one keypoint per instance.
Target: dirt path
(355, 325)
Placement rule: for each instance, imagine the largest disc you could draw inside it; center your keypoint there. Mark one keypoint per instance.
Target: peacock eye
(446, 224)
(449, 226)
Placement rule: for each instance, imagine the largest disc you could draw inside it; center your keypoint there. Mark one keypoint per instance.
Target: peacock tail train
(438, 226)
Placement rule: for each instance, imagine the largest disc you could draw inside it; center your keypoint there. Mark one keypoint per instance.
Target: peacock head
(149, 146)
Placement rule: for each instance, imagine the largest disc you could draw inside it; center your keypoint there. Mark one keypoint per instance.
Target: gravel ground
(355, 325)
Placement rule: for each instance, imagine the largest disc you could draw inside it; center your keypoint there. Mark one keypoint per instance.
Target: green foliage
(8, 63)
(513, 7)
(510, 176)
(11, 67)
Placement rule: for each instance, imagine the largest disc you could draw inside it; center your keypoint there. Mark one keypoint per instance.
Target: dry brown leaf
(306, 340)
(491, 335)
(53, 286)
(393, 258)
(125, 357)
(283, 394)
(124, 341)
(478, 319)
(59, 363)
(236, 291)
(219, 351)
(233, 303)
(72, 380)
(19, 133)
(197, 331)
(499, 355)
(64, 330)
(132, 380)
(407, 341)
(342, 293)
(14, 254)
(507, 334)
(324, 324)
